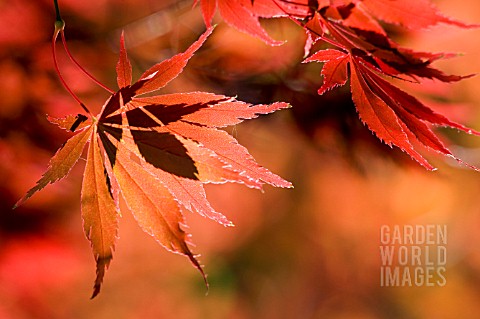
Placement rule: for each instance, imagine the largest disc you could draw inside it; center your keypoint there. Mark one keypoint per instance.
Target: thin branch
(57, 11)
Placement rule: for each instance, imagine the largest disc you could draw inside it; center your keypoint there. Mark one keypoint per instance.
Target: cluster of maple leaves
(158, 151)
(363, 53)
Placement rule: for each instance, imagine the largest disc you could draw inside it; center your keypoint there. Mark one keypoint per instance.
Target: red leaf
(334, 70)
(355, 17)
(379, 117)
(402, 108)
(244, 14)
(208, 10)
(375, 43)
(240, 17)
(275, 8)
(326, 56)
(393, 115)
(413, 14)
(415, 107)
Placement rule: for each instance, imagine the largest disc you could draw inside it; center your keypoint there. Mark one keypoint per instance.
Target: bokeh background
(308, 252)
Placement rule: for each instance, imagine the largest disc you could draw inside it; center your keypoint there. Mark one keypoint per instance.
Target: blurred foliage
(310, 252)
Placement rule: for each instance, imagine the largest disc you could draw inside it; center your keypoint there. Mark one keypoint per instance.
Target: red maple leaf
(365, 54)
(156, 152)
(244, 14)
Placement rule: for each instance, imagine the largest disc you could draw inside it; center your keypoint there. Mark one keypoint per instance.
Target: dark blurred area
(307, 252)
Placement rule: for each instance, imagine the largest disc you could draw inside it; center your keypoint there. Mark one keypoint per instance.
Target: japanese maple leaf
(364, 53)
(396, 117)
(348, 28)
(361, 17)
(156, 152)
(244, 14)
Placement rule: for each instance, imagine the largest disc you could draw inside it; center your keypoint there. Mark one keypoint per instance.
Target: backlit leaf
(413, 14)
(61, 163)
(99, 212)
(363, 52)
(156, 152)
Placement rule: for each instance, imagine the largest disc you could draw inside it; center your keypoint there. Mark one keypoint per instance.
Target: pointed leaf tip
(244, 19)
(124, 68)
(197, 265)
(71, 123)
(102, 266)
(162, 73)
(99, 211)
(208, 10)
(61, 163)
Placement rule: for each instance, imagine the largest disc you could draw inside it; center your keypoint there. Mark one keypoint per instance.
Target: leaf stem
(80, 67)
(59, 25)
(59, 28)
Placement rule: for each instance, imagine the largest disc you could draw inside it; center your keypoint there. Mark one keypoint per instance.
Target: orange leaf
(162, 73)
(124, 68)
(61, 163)
(152, 205)
(159, 151)
(99, 212)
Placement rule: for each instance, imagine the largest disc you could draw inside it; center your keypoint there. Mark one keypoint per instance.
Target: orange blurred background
(307, 252)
